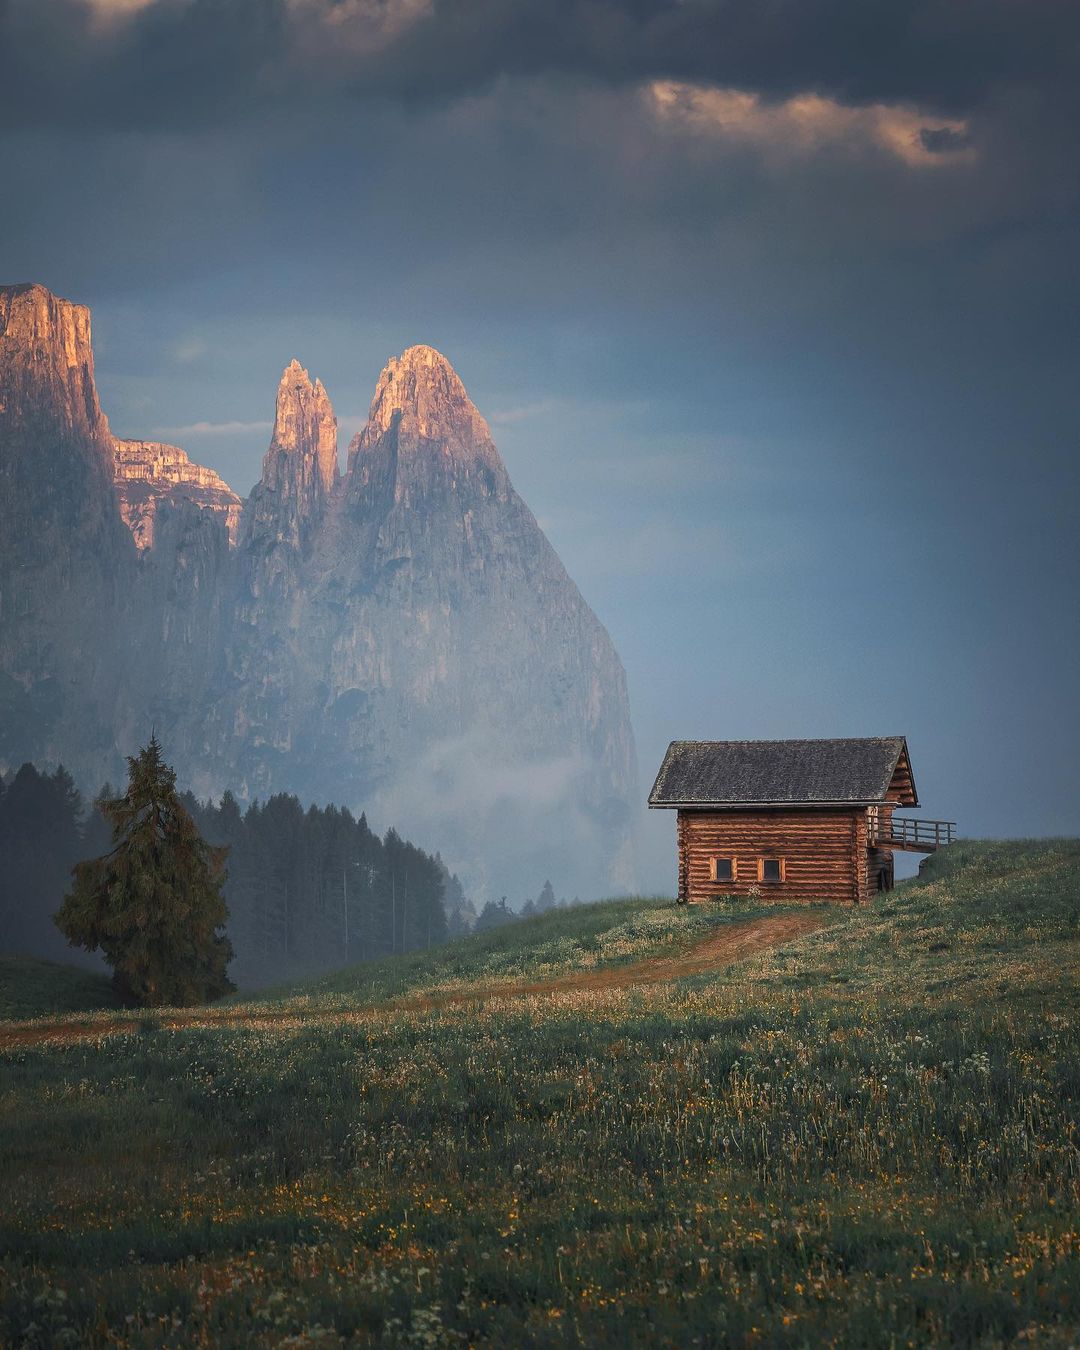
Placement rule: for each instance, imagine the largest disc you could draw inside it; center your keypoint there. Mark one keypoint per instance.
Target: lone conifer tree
(153, 904)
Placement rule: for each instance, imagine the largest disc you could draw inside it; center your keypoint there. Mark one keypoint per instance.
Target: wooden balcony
(918, 836)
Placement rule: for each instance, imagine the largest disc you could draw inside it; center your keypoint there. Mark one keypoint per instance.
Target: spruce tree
(494, 915)
(153, 904)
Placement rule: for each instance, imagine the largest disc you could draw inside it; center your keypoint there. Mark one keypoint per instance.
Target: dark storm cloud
(74, 63)
(859, 50)
(817, 346)
(942, 140)
(174, 63)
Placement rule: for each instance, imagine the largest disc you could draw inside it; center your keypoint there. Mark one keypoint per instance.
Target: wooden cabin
(793, 821)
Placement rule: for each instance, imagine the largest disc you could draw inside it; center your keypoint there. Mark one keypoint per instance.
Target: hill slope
(610, 935)
(33, 988)
(866, 1136)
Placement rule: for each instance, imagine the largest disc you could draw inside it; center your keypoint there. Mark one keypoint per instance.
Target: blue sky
(773, 311)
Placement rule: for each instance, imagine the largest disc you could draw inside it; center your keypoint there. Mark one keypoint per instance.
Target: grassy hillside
(609, 933)
(865, 1137)
(33, 988)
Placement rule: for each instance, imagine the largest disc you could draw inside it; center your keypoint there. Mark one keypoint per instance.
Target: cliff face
(420, 398)
(402, 639)
(48, 368)
(66, 560)
(299, 472)
(148, 473)
(431, 658)
(502, 694)
(265, 713)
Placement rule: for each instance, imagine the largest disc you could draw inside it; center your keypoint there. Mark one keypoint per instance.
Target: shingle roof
(730, 773)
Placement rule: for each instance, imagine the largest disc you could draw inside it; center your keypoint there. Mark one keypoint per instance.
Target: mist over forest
(309, 889)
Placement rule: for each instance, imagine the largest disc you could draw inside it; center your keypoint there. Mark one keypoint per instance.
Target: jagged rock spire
(421, 399)
(300, 469)
(409, 642)
(304, 424)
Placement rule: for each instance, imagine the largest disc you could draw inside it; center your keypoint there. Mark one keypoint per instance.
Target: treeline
(307, 890)
(498, 912)
(313, 889)
(45, 829)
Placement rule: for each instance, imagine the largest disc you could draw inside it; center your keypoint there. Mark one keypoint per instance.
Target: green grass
(609, 933)
(33, 988)
(866, 1138)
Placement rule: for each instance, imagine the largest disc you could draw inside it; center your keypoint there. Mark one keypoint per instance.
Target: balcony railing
(922, 836)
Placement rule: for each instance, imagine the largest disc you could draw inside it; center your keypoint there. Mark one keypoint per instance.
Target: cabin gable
(901, 790)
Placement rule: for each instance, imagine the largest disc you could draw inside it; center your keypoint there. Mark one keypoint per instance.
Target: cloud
(492, 811)
(188, 350)
(107, 18)
(117, 9)
(524, 413)
(808, 123)
(196, 429)
(347, 29)
(204, 62)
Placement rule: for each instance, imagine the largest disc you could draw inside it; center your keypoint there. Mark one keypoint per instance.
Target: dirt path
(732, 942)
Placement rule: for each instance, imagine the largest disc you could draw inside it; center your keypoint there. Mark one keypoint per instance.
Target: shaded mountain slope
(403, 638)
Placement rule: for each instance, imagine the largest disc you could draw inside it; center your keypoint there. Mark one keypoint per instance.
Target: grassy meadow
(30, 988)
(864, 1137)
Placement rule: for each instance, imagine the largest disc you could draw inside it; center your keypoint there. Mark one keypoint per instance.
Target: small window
(723, 869)
(770, 869)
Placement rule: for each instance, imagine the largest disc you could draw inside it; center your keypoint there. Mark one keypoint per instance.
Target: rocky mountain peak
(304, 424)
(47, 363)
(300, 468)
(408, 642)
(30, 313)
(66, 559)
(421, 399)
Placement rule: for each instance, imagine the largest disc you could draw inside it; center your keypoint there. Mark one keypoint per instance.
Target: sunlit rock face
(420, 398)
(266, 723)
(300, 469)
(432, 660)
(149, 473)
(67, 563)
(402, 639)
(501, 699)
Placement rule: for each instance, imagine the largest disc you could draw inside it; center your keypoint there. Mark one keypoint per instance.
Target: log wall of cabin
(684, 857)
(880, 860)
(826, 855)
(880, 864)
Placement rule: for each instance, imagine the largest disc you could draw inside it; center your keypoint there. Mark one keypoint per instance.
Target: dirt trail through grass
(730, 943)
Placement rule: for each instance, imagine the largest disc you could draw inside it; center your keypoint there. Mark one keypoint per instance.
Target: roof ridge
(806, 770)
(795, 740)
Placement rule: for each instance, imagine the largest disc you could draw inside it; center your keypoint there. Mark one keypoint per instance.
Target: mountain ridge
(400, 636)
(148, 473)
